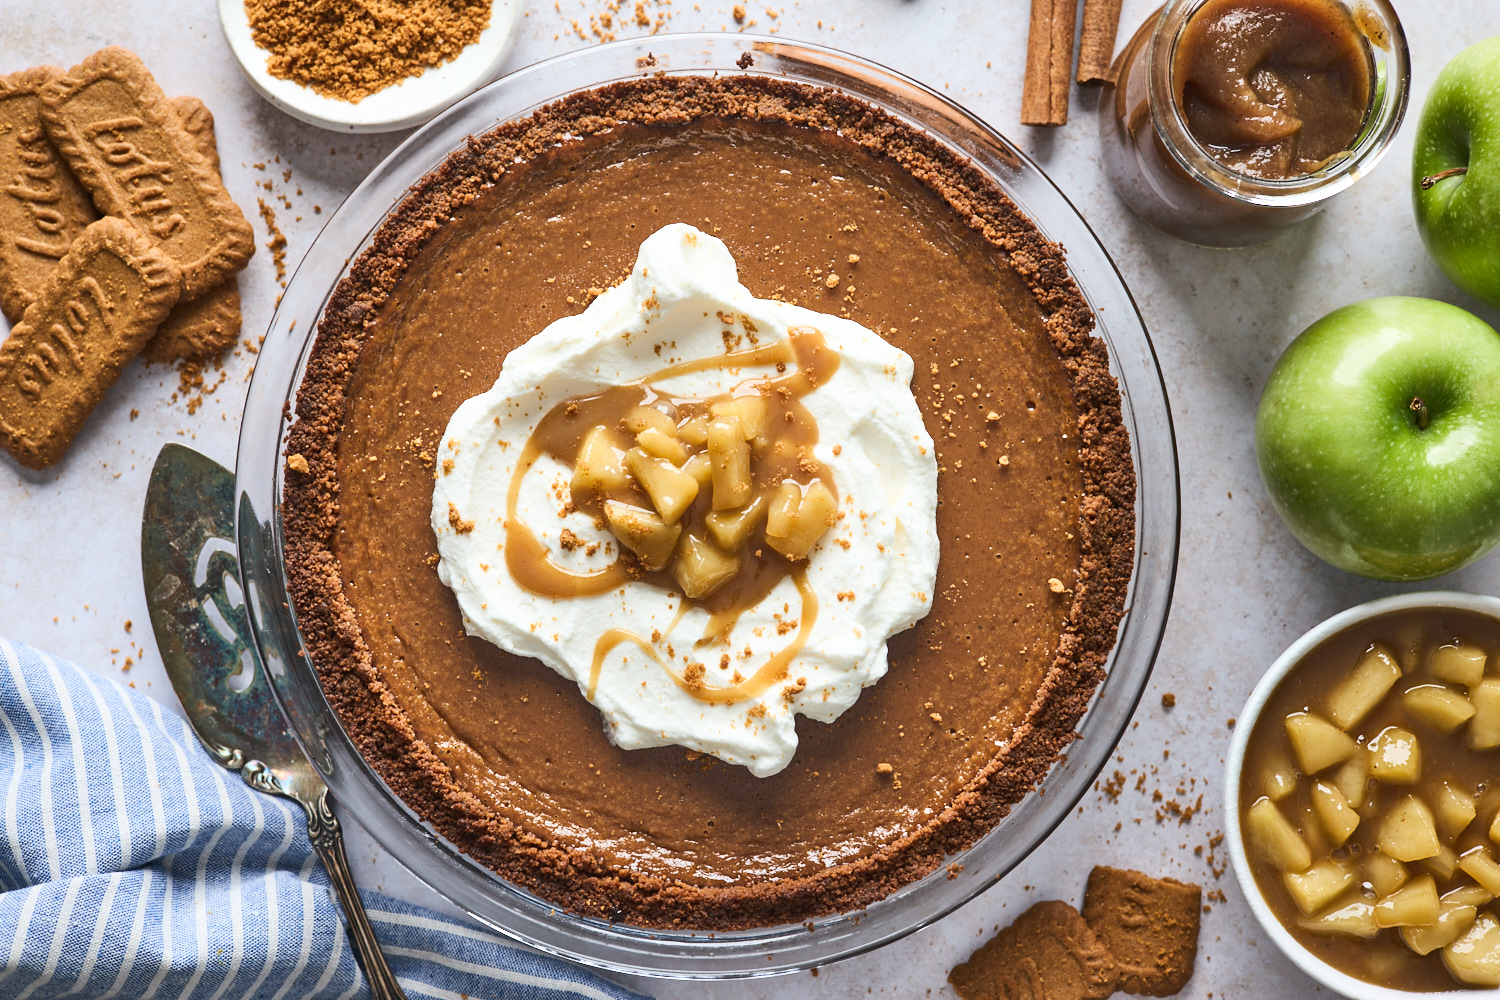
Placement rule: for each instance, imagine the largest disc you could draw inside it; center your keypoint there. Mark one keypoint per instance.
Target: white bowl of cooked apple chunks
(1366, 773)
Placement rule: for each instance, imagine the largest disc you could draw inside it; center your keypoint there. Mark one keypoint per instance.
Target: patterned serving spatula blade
(188, 560)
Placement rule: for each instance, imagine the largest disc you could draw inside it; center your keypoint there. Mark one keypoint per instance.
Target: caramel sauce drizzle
(770, 672)
(803, 362)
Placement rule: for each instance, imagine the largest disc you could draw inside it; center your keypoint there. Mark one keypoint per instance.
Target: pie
(823, 200)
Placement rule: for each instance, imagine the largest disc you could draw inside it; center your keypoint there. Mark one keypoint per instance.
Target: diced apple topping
(1475, 957)
(662, 445)
(1317, 743)
(1353, 780)
(642, 418)
(1442, 864)
(701, 488)
(729, 453)
(1407, 831)
(751, 412)
(1385, 873)
(731, 528)
(600, 467)
(1468, 895)
(1338, 820)
(702, 568)
(694, 430)
(1275, 838)
(1441, 707)
(701, 469)
(1413, 904)
(1390, 818)
(1281, 782)
(1484, 728)
(1373, 676)
(1453, 920)
(1459, 664)
(1356, 919)
(1480, 865)
(798, 517)
(671, 490)
(1395, 756)
(1319, 885)
(642, 532)
(1456, 809)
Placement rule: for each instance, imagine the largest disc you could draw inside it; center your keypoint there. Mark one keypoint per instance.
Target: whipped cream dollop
(868, 577)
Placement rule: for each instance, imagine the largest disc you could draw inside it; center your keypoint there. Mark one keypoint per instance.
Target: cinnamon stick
(1049, 63)
(1096, 44)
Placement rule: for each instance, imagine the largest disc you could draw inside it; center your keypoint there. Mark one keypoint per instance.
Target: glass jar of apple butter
(1230, 120)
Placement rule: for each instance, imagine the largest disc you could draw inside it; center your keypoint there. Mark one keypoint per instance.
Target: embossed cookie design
(43, 209)
(98, 308)
(198, 122)
(122, 138)
(208, 324)
(200, 328)
(1149, 925)
(1049, 953)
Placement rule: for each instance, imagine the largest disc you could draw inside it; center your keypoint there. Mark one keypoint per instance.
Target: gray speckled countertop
(69, 538)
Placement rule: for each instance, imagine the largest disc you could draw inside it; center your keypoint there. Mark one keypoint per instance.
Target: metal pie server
(188, 559)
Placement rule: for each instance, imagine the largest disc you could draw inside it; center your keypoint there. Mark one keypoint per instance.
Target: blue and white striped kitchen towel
(132, 865)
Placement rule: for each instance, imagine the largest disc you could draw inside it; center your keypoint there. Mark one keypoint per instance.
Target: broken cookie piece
(1049, 953)
(1149, 925)
(200, 329)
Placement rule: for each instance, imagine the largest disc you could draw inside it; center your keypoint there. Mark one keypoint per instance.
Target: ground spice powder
(349, 49)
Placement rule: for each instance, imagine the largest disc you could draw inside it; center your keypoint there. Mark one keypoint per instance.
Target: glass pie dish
(523, 915)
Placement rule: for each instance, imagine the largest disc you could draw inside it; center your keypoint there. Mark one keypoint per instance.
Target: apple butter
(1231, 120)
(1273, 88)
(1036, 497)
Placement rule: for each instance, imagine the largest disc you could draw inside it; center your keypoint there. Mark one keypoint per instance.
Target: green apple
(1456, 170)
(1378, 437)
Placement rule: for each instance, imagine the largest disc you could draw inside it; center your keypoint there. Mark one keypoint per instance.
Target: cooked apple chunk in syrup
(1276, 839)
(1395, 756)
(1441, 707)
(1318, 743)
(1475, 957)
(798, 517)
(1374, 675)
(600, 468)
(1484, 727)
(642, 532)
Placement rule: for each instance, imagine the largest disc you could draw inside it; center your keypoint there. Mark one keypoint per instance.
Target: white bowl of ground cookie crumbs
(369, 65)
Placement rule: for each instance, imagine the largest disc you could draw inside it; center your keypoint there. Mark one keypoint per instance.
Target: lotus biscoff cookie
(1049, 953)
(98, 308)
(200, 328)
(208, 324)
(120, 134)
(43, 208)
(1149, 925)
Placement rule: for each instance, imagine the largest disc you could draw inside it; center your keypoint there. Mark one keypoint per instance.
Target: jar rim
(1392, 79)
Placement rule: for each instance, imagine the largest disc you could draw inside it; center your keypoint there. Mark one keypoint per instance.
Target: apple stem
(1420, 409)
(1431, 179)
